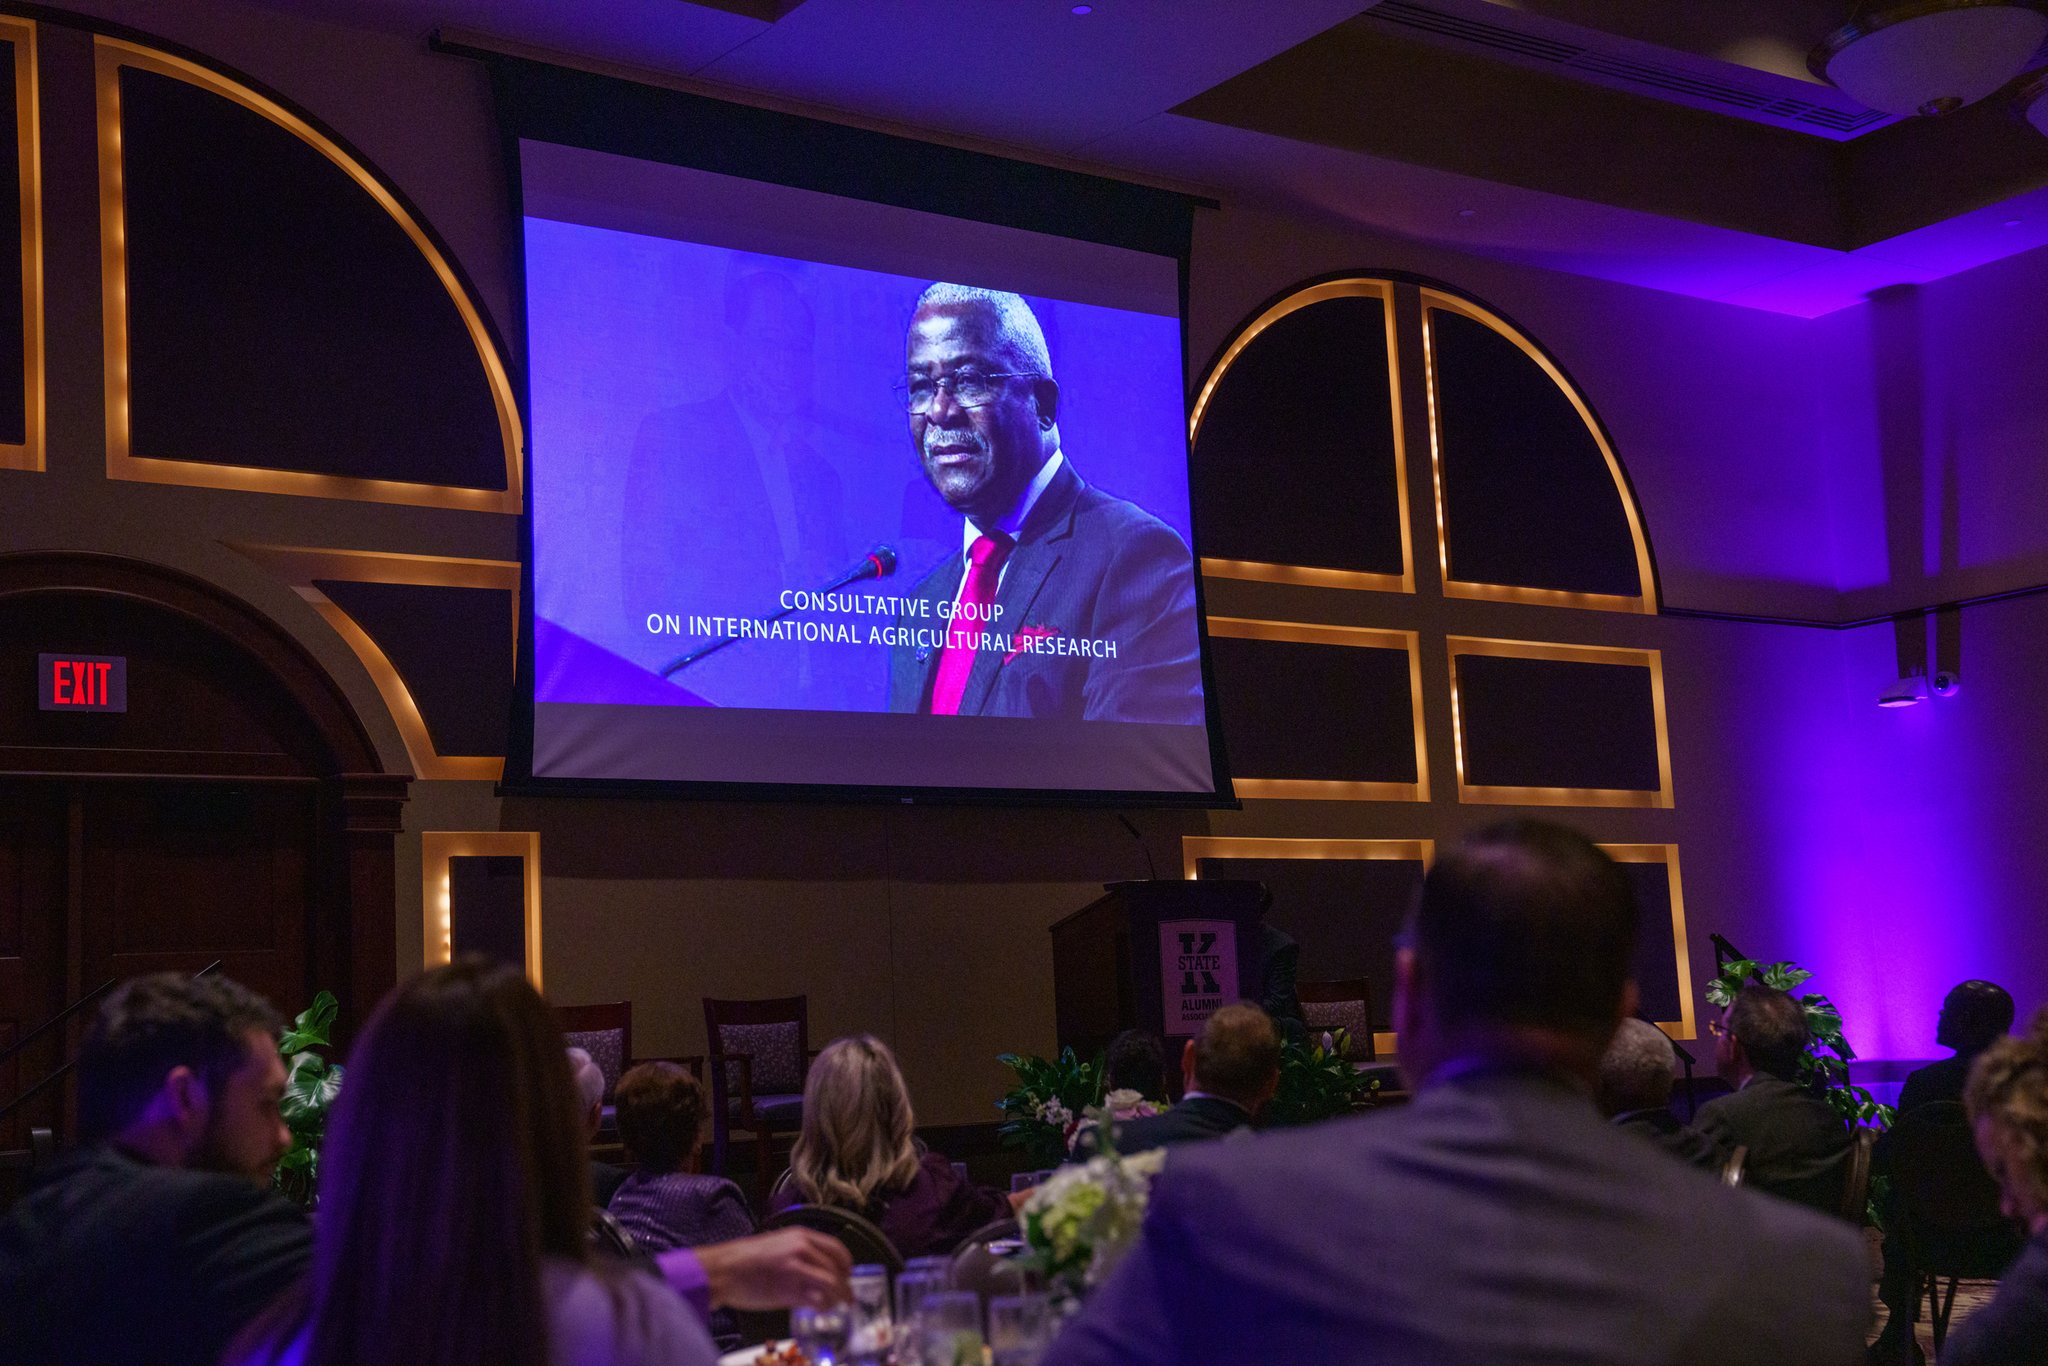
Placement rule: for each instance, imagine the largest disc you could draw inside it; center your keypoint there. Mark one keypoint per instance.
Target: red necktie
(963, 636)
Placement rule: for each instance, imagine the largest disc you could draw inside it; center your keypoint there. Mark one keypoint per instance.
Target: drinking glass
(949, 1325)
(1019, 1328)
(822, 1333)
(868, 1343)
(913, 1287)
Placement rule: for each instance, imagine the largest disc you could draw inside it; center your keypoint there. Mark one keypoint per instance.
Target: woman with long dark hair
(455, 1200)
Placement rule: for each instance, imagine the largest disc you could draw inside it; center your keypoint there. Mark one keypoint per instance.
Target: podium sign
(1196, 959)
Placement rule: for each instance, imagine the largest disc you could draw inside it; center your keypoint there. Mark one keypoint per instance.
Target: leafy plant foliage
(1318, 1083)
(311, 1084)
(1050, 1097)
(1825, 1067)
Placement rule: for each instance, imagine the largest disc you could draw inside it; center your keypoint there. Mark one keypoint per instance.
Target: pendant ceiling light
(1929, 56)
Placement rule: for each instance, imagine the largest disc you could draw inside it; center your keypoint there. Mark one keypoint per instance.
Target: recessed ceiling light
(1467, 213)
(2013, 222)
(1084, 9)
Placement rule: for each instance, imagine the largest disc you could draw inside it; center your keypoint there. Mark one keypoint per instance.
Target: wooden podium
(1155, 955)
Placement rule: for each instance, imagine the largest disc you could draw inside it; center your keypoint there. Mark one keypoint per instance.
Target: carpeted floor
(1969, 1296)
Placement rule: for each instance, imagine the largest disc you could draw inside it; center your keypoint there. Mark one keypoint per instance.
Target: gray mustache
(935, 437)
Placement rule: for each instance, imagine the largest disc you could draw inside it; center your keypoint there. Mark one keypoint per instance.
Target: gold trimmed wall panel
(301, 566)
(1357, 637)
(110, 56)
(1646, 602)
(1496, 795)
(1195, 848)
(1685, 1027)
(31, 454)
(437, 847)
(1306, 575)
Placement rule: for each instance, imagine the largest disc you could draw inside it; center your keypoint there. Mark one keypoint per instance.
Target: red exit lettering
(80, 683)
(83, 682)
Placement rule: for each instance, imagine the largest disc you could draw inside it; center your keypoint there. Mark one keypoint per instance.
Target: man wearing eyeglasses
(1064, 601)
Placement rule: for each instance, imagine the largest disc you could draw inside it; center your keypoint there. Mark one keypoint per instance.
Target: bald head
(1635, 1073)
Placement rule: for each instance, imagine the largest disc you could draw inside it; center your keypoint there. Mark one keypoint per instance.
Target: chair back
(1948, 1204)
(867, 1243)
(774, 1034)
(605, 1032)
(1855, 1206)
(1344, 1004)
(986, 1266)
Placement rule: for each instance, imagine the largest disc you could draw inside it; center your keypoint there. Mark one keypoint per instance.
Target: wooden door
(32, 979)
(174, 875)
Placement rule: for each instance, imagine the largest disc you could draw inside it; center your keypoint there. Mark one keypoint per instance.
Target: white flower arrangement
(1085, 1217)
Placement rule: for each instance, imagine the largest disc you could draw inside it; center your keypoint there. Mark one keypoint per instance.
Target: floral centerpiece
(1043, 1111)
(1085, 1217)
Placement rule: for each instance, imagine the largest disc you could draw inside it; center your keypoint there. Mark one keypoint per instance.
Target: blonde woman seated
(856, 1152)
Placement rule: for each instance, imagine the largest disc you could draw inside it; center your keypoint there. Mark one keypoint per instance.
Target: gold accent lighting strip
(1685, 1027)
(437, 848)
(1195, 848)
(1306, 575)
(111, 54)
(1644, 602)
(1306, 789)
(1499, 795)
(30, 454)
(301, 566)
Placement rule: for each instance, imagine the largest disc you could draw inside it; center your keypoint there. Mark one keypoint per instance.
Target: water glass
(1019, 1328)
(868, 1343)
(913, 1288)
(822, 1333)
(949, 1326)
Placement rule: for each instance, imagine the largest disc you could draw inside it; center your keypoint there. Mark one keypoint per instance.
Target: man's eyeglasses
(970, 388)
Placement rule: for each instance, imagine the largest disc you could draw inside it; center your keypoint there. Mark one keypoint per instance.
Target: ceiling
(1674, 144)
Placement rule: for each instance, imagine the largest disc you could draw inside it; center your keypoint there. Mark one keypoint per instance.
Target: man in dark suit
(1797, 1143)
(1635, 1093)
(1230, 1071)
(158, 1240)
(1497, 1218)
(1064, 600)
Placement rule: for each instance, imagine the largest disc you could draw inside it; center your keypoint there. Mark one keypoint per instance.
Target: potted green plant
(1318, 1082)
(310, 1086)
(1825, 1067)
(1045, 1107)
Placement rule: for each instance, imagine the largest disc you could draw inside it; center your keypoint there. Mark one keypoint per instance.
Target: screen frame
(538, 102)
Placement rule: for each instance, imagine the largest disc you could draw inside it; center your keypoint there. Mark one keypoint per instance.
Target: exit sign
(82, 682)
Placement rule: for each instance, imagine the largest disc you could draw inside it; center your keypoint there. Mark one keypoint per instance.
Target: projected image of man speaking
(1063, 601)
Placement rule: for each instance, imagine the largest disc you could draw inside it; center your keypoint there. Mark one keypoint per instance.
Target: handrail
(25, 1040)
(23, 1097)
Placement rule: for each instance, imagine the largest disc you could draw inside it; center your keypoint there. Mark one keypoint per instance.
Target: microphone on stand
(878, 563)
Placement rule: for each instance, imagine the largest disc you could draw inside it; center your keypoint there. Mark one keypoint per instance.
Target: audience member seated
(856, 1152)
(455, 1201)
(1796, 1142)
(2007, 1096)
(1135, 1061)
(664, 1203)
(158, 1239)
(1974, 1015)
(1230, 1070)
(604, 1176)
(1497, 1218)
(1635, 1093)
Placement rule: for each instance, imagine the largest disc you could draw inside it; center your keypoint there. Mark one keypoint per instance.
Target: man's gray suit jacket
(1496, 1219)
